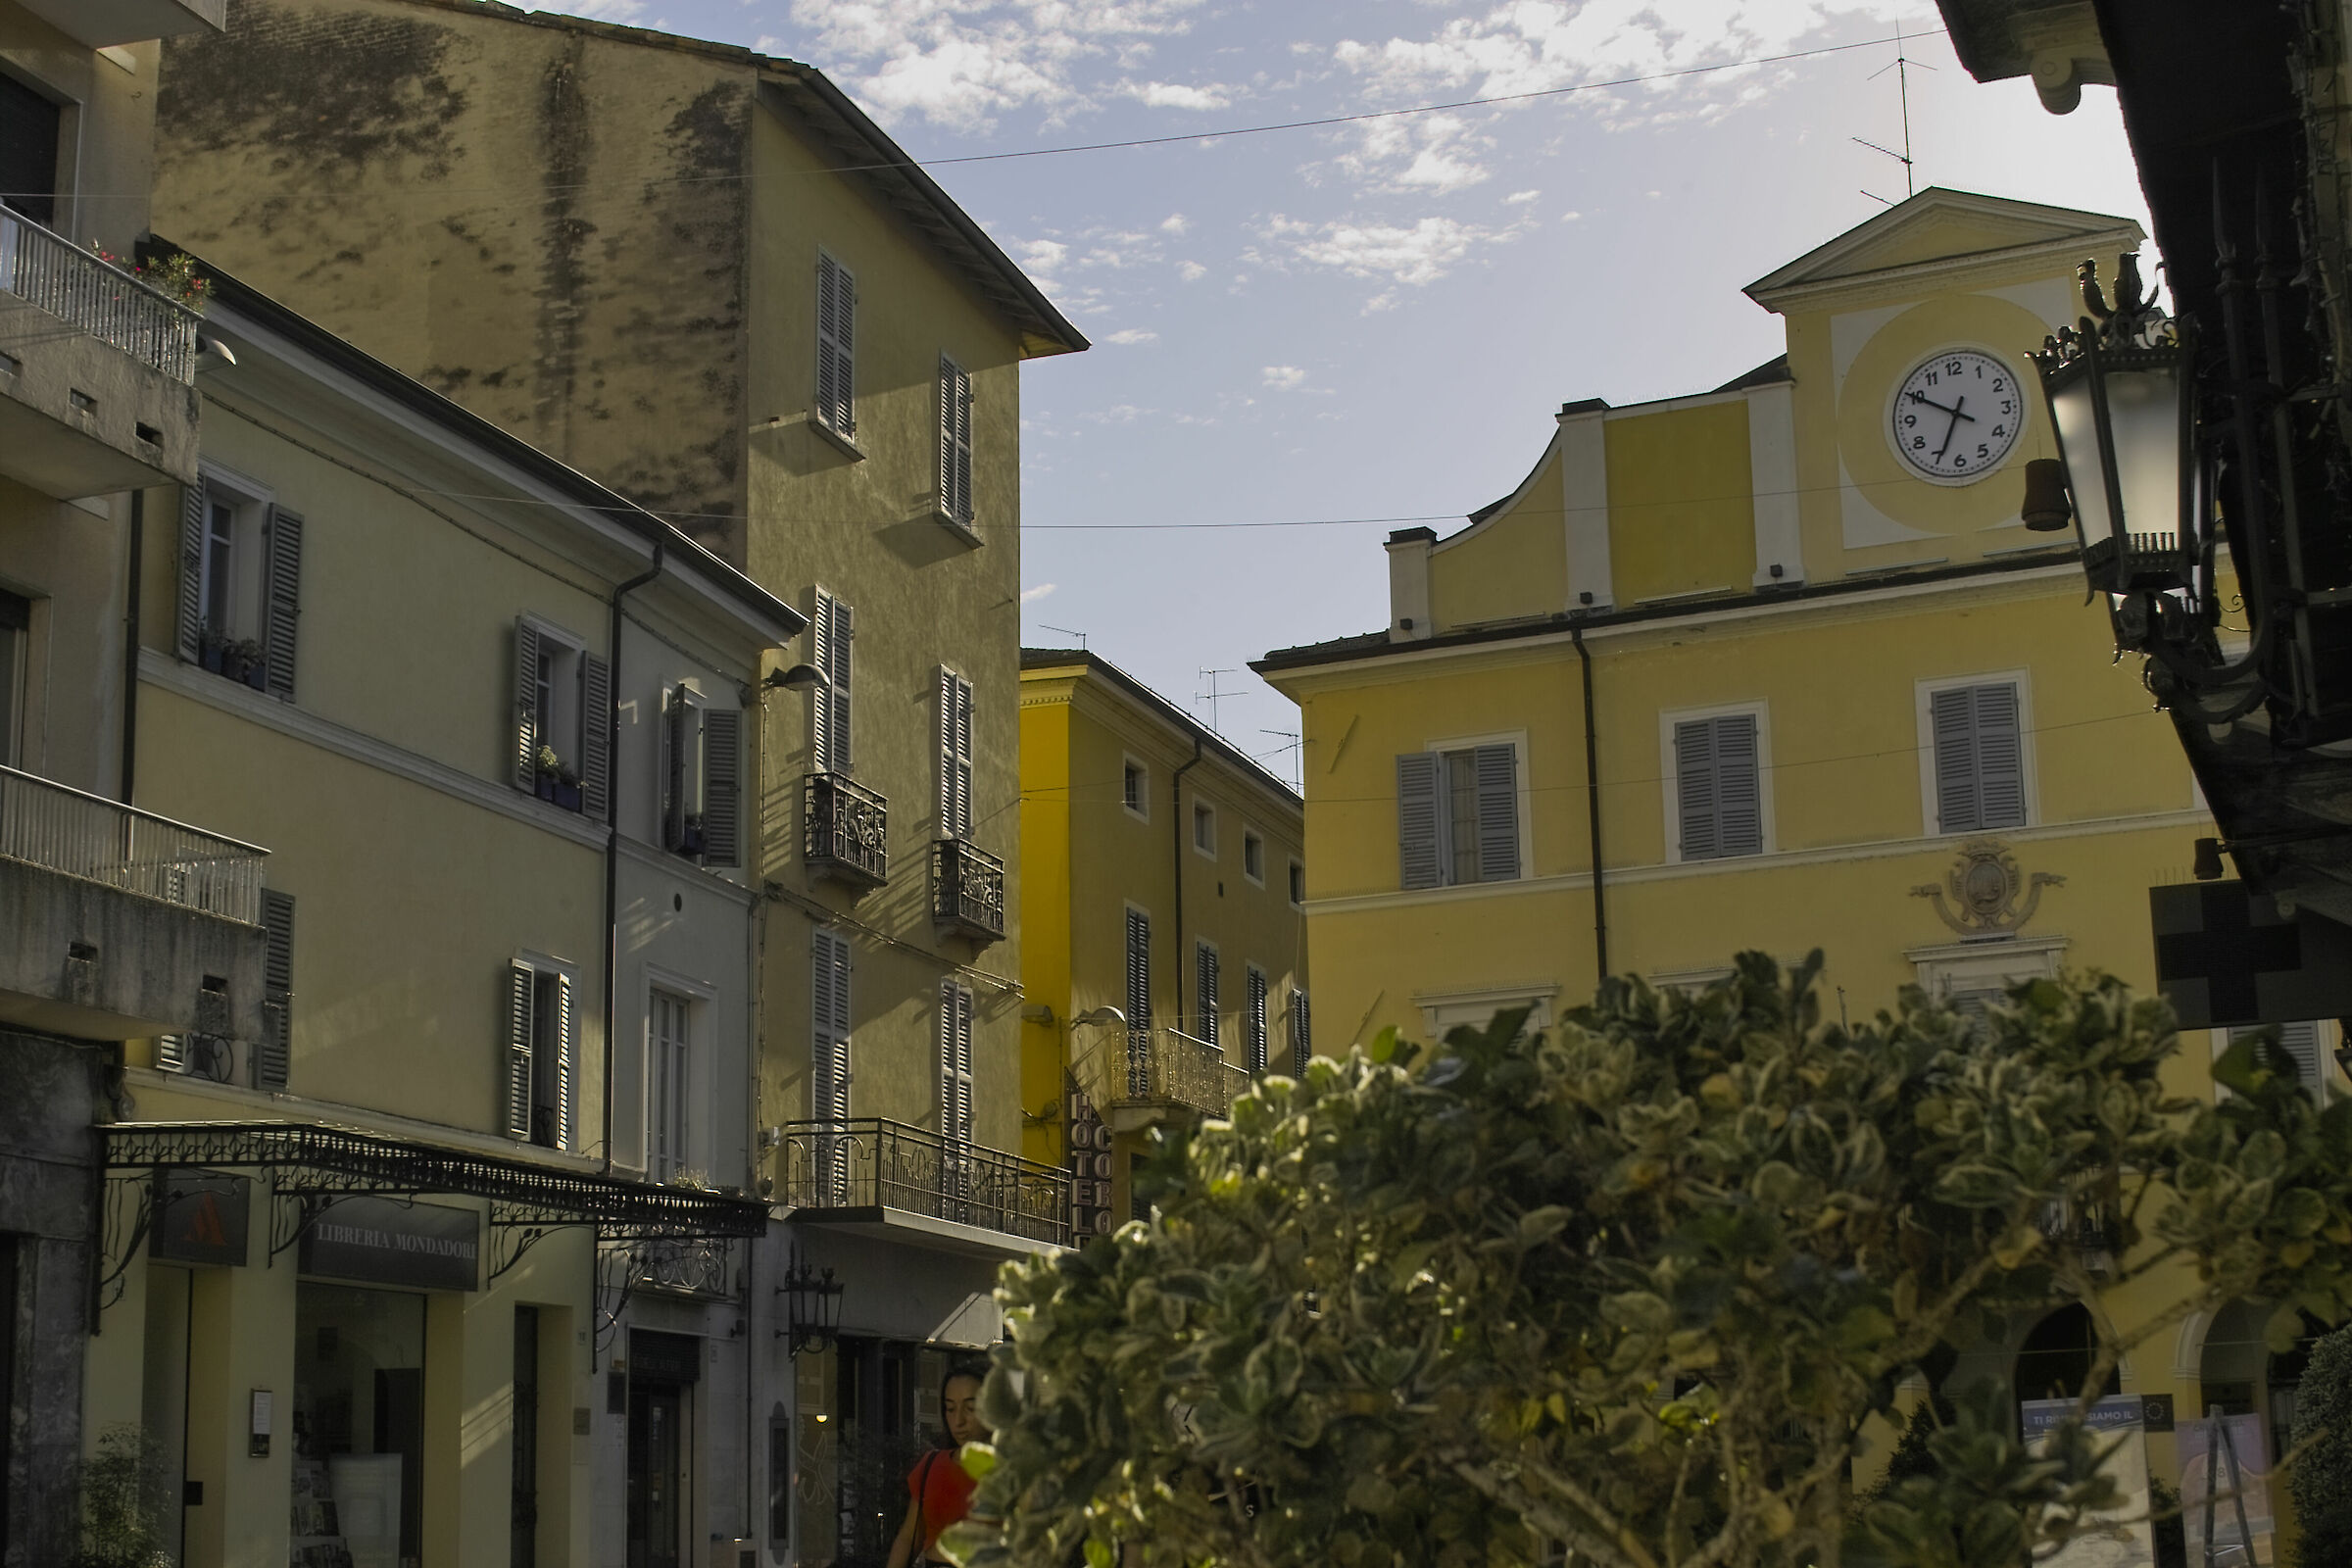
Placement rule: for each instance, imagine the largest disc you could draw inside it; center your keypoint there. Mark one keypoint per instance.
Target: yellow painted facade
(1113, 779)
(1760, 562)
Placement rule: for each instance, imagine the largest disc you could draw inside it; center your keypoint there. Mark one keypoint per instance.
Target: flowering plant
(549, 761)
(173, 274)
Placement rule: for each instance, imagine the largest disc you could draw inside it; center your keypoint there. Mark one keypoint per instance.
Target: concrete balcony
(104, 23)
(97, 371)
(123, 924)
(968, 1196)
(1169, 1075)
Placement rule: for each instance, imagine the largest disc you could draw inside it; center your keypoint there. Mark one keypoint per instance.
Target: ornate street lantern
(812, 1307)
(2122, 392)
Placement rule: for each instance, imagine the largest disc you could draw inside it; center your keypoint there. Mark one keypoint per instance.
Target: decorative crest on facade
(1984, 885)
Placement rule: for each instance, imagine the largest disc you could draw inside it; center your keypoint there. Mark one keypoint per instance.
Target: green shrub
(119, 1488)
(2319, 1480)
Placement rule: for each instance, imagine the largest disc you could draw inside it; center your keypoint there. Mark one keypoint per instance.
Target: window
(1303, 1044)
(829, 1026)
(240, 583)
(1974, 740)
(1255, 1022)
(1718, 805)
(2302, 1042)
(665, 1120)
(703, 780)
(1298, 886)
(1457, 816)
(562, 719)
(1135, 789)
(1204, 828)
(16, 627)
(28, 142)
(836, 347)
(954, 444)
(1139, 1003)
(955, 716)
(832, 633)
(542, 1055)
(955, 1061)
(1204, 991)
(1253, 858)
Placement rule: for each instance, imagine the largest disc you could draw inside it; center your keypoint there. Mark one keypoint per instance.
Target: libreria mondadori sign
(379, 1240)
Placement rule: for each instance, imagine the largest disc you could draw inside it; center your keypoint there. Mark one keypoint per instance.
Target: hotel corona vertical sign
(1089, 1167)
(381, 1241)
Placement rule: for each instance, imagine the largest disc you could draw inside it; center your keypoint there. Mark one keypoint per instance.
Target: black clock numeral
(2001, 429)
(1959, 460)
(1931, 378)
(1910, 419)
(1983, 452)
(2008, 407)
(1919, 443)
(1951, 366)
(1999, 385)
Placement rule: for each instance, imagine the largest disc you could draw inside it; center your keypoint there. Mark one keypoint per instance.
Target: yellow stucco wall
(1509, 565)
(1681, 518)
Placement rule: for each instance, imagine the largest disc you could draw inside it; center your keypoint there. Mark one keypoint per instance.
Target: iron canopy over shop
(331, 1186)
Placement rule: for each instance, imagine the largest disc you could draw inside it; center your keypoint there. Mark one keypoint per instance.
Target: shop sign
(199, 1217)
(377, 1241)
(1088, 1166)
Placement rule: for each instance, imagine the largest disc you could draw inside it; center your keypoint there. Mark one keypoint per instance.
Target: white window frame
(1522, 770)
(699, 996)
(542, 963)
(1140, 807)
(1295, 885)
(1669, 771)
(1924, 708)
(844, 432)
(248, 552)
(1251, 835)
(1201, 809)
(668, 1118)
(563, 637)
(1443, 1011)
(2327, 1037)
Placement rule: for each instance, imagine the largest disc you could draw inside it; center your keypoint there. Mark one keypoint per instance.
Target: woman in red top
(940, 1488)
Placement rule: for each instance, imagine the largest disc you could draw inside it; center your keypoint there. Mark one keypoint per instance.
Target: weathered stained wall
(540, 221)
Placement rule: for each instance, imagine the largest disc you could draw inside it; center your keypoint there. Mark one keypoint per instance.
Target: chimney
(1408, 584)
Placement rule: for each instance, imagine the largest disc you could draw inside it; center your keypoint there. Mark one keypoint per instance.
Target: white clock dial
(1957, 416)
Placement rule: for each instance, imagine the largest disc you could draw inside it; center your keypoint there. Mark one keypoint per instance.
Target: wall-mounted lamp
(797, 678)
(812, 1307)
(1100, 1017)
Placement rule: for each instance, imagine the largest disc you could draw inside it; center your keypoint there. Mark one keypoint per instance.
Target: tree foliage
(1630, 1286)
(2320, 1478)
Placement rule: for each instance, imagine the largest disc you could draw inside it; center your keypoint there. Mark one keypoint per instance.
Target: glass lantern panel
(2144, 409)
(2079, 442)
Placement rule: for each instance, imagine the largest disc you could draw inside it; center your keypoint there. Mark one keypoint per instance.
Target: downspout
(131, 647)
(1176, 811)
(1600, 906)
(612, 831)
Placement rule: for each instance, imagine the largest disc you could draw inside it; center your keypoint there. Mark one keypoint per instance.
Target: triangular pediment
(1938, 230)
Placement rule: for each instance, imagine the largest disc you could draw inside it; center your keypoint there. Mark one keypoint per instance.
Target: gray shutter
(955, 441)
(1259, 1053)
(963, 757)
(829, 1025)
(955, 1062)
(284, 602)
(274, 1053)
(172, 1054)
(954, 705)
(1303, 1045)
(845, 349)
(567, 1050)
(828, 295)
(520, 982)
(1420, 852)
(2000, 758)
(837, 699)
(1139, 969)
(1204, 991)
(527, 705)
(1497, 771)
(191, 570)
(1951, 717)
(675, 741)
(1695, 788)
(722, 786)
(596, 737)
(2301, 1041)
(820, 710)
(1716, 787)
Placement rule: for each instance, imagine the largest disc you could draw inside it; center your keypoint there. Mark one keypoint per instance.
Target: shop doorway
(662, 1371)
(525, 1552)
(887, 1395)
(359, 1427)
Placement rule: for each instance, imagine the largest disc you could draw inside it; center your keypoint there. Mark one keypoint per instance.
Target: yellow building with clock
(1775, 667)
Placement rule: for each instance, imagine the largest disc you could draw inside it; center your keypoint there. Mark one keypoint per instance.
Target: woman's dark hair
(962, 1366)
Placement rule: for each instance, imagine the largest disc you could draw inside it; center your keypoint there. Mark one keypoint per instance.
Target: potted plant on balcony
(245, 660)
(211, 649)
(690, 842)
(567, 789)
(549, 767)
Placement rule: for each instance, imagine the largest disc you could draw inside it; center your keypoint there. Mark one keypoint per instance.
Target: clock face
(1956, 416)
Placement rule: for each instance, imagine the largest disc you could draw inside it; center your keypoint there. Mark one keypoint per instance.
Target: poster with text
(2205, 1472)
(2122, 1539)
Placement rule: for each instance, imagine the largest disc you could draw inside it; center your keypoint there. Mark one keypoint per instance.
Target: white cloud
(1042, 255)
(1174, 223)
(1191, 271)
(1175, 95)
(623, 12)
(1132, 334)
(1030, 596)
(1520, 198)
(1425, 153)
(1570, 217)
(1283, 377)
(1386, 253)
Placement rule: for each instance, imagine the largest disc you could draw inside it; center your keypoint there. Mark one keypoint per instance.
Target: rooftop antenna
(1066, 631)
(1290, 744)
(1211, 695)
(1902, 76)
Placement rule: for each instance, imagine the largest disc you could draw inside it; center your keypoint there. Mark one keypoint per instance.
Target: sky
(1303, 338)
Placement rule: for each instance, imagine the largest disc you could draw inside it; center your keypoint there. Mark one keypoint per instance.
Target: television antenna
(1066, 631)
(1290, 744)
(1211, 695)
(1902, 76)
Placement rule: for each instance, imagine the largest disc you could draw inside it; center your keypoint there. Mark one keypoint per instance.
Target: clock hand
(1920, 397)
(1952, 426)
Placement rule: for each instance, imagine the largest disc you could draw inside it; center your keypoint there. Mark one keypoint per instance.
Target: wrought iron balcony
(869, 1163)
(2082, 1225)
(967, 890)
(106, 302)
(848, 831)
(1167, 1067)
(61, 829)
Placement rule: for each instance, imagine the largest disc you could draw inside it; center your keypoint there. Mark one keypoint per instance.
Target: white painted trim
(1523, 770)
(684, 872)
(666, 979)
(1923, 693)
(1141, 812)
(1747, 864)
(1199, 806)
(1249, 833)
(230, 697)
(1669, 771)
(1297, 868)
(1488, 999)
(1689, 979)
(1949, 966)
(554, 632)
(1585, 509)
(1673, 405)
(1773, 481)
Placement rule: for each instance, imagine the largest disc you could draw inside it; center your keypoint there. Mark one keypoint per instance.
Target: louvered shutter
(274, 1053)
(722, 787)
(527, 705)
(1257, 1021)
(1952, 717)
(1716, 784)
(1695, 786)
(191, 570)
(955, 701)
(1204, 991)
(1139, 1001)
(283, 603)
(596, 738)
(836, 345)
(676, 736)
(821, 710)
(567, 1050)
(172, 1054)
(827, 274)
(2000, 758)
(1498, 772)
(829, 984)
(955, 1062)
(522, 981)
(1420, 847)
(837, 699)
(955, 441)
(2301, 1041)
(1303, 1045)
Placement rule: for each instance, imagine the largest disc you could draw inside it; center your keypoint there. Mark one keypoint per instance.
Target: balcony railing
(1167, 1067)
(848, 831)
(867, 1162)
(109, 304)
(967, 889)
(62, 829)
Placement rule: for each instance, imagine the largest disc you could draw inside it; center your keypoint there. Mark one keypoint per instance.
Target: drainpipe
(131, 647)
(612, 832)
(1176, 811)
(1601, 908)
